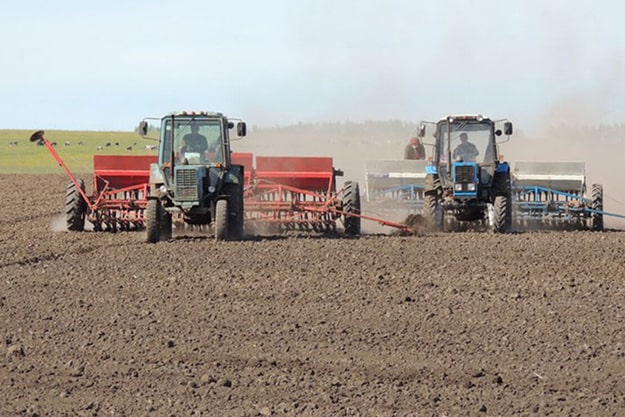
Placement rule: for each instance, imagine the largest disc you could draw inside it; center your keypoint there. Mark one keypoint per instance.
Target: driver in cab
(196, 149)
(465, 151)
(194, 142)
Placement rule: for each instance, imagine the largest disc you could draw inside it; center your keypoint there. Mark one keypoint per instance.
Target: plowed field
(465, 324)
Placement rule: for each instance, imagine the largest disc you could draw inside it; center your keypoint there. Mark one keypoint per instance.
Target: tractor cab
(465, 154)
(194, 140)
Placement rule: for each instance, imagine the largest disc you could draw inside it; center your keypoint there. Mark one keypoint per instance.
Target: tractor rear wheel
(236, 214)
(75, 207)
(153, 219)
(502, 206)
(597, 204)
(351, 205)
(166, 225)
(502, 185)
(432, 213)
(221, 219)
(502, 218)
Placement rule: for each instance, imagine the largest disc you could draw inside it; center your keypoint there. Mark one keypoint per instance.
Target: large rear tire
(432, 213)
(153, 220)
(75, 207)
(502, 219)
(597, 204)
(221, 219)
(236, 213)
(502, 206)
(166, 225)
(351, 205)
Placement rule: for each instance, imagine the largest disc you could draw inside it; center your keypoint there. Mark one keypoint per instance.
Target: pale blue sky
(104, 65)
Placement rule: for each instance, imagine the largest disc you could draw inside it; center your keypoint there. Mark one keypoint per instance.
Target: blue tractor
(194, 180)
(467, 183)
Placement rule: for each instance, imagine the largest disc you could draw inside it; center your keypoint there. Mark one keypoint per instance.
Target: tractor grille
(186, 185)
(465, 173)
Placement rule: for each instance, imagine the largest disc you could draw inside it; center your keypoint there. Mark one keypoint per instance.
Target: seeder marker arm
(39, 136)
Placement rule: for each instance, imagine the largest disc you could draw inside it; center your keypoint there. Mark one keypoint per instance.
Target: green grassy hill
(27, 157)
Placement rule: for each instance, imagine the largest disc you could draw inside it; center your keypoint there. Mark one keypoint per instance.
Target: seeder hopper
(392, 185)
(554, 195)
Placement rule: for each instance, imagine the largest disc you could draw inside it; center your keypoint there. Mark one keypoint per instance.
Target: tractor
(467, 182)
(194, 180)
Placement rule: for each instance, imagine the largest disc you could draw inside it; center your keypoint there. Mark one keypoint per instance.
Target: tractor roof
(467, 117)
(200, 113)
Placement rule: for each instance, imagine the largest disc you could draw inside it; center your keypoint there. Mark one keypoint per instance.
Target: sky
(81, 65)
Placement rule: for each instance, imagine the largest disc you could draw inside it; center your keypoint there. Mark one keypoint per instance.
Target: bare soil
(463, 324)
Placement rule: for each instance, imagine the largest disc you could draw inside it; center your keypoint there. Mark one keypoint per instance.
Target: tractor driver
(465, 151)
(194, 142)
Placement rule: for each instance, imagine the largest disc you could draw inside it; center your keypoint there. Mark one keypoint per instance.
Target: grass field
(27, 157)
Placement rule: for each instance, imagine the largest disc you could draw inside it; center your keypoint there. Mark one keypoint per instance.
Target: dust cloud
(58, 224)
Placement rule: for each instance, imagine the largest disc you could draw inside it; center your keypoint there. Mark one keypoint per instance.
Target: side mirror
(507, 128)
(241, 129)
(498, 132)
(230, 125)
(421, 132)
(143, 128)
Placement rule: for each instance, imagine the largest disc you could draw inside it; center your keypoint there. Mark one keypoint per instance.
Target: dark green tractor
(194, 180)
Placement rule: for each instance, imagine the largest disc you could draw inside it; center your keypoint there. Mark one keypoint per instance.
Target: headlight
(458, 187)
(471, 186)
(211, 189)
